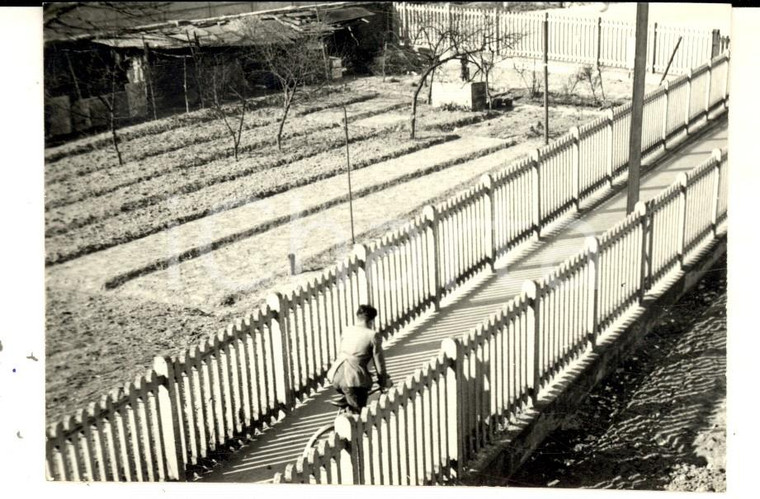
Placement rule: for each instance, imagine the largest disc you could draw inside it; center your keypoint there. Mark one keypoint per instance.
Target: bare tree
(227, 91)
(448, 41)
(293, 62)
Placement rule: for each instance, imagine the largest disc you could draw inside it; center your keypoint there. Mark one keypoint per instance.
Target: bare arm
(379, 359)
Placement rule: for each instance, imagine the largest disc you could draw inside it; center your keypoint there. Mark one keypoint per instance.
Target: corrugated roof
(233, 32)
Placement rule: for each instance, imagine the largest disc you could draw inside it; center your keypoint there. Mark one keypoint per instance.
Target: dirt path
(659, 422)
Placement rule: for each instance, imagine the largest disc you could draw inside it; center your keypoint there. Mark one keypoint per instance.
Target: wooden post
(641, 210)
(431, 214)
(715, 50)
(707, 94)
(489, 223)
(348, 167)
(149, 79)
(184, 83)
(688, 101)
(535, 157)
(452, 349)
(664, 138)
(718, 156)
(281, 349)
(610, 147)
(670, 61)
(654, 46)
(592, 245)
(350, 456)
(725, 83)
(598, 41)
(168, 414)
(546, 78)
(637, 107)
(534, 327)
(292, 262)
(365, 291)
(683, 181)
(575, 134)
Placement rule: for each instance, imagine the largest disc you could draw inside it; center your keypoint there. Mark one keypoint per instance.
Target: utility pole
(637, 106)
(546, 78)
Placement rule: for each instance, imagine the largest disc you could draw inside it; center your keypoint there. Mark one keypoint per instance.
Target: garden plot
(110, 267)
(96, 173)
(308, 102)
(252, 264)
(147, 207)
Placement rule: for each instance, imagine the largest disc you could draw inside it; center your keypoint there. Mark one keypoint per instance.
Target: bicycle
(339, 401)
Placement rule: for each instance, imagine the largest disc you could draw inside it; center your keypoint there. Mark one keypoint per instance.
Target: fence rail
(581, 39)
(253, 372)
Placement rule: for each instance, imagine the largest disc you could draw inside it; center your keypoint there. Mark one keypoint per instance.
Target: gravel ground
(659, 421)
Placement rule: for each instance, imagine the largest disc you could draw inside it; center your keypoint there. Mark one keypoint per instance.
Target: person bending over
(358, 345)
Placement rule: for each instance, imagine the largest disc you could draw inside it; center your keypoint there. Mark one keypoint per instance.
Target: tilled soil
(659, 421)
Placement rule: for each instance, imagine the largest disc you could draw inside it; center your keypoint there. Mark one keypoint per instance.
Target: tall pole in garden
(546, 77)
(348, 164)
(637, 106)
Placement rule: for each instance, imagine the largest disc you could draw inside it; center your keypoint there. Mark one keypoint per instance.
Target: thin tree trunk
(430, 89)
(184, 83)
(385, 56)
(73, 76)
(413, 118)
(286, 107)
(111, 106)
(115, 139)
(488, 91)
(240, 128)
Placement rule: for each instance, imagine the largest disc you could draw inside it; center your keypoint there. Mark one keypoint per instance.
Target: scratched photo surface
(521, 205)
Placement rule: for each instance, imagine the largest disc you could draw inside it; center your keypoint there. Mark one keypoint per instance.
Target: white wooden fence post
(592, 245)
(169, 414)
(489, 223)
(575, 133)
(534, 328)
(688, 101)
(666, 91)
(610, 149)
(364, 285)
(707, 94)
(431, 214)
(452, 349)
(281, 349)
(683, 181)
(351, 457)
(718, 156)
(535, 157)
(725, 84)
(641, 210)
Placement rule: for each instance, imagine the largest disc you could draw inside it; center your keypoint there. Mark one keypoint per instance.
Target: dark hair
(367, 312)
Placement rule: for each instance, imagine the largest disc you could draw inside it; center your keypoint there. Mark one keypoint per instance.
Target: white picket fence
(426, 430)
(189, 406)
(573, 39)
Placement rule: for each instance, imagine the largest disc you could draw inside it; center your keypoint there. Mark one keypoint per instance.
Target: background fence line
(573, 38)
(254, 371)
